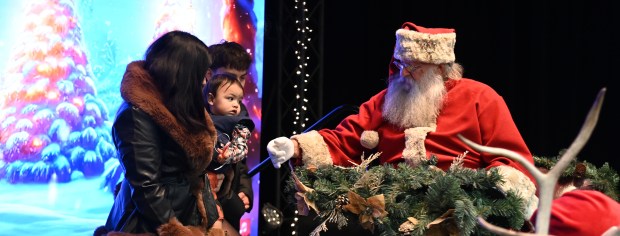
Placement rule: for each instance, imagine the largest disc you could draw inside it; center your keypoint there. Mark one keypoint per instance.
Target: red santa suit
(470, 108)
(583, 212)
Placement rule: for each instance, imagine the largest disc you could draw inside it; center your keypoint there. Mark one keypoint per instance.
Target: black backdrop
(548, 59)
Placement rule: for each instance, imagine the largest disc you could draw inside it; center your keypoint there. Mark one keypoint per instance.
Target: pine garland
(421, 200)
(585, 175)
(425, 200)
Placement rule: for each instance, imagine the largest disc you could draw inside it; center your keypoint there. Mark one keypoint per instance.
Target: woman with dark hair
(165, 139)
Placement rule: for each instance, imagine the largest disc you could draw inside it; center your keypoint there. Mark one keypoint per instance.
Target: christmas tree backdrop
(60, 70)
(53, 124)
(176, 15)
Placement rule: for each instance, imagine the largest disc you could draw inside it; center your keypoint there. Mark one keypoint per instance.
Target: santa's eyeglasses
(402, 66)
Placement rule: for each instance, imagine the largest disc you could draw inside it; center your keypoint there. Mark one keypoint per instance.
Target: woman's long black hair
(178, 61)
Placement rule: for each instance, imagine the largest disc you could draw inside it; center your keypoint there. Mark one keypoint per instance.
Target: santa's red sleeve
(341, 145)
(499, 130)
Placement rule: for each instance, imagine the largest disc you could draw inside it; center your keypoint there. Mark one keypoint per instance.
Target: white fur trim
(518, 182)
(369, 139)
(423, 47)
(415, 151)
(314, 149)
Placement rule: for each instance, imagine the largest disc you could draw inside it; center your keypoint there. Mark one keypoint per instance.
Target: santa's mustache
(414, 103)
(404, 84)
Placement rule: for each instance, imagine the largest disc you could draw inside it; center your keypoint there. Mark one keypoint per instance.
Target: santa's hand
(280, 150)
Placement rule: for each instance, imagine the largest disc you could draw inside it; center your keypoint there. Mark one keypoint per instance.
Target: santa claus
(425, 106)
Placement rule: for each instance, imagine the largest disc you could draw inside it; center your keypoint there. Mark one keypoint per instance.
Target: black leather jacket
(164, 164)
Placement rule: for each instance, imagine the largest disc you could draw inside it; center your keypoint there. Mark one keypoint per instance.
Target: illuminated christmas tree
(176, 15)
(53, 126)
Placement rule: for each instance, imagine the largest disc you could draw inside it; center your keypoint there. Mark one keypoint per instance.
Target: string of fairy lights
(270, 213)
(303, 32)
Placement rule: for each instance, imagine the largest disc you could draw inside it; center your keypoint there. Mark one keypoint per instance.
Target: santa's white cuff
(519, 183)
(314, 149)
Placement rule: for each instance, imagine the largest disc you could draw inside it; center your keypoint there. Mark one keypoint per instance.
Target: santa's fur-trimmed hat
(429, 45)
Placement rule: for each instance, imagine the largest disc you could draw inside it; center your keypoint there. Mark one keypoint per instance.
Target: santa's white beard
(414, 103)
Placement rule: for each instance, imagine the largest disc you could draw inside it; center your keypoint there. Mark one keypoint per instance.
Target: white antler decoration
(546, 182)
